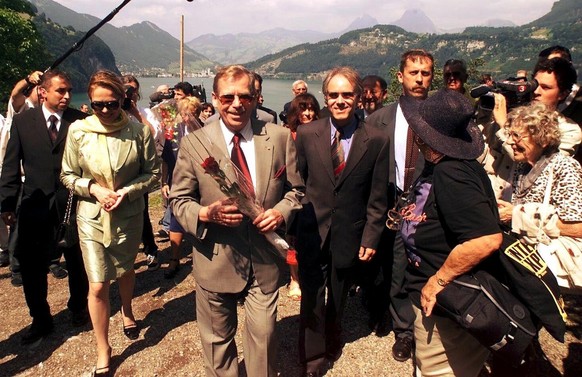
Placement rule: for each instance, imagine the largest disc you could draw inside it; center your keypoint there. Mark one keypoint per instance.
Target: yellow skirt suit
(115, 156)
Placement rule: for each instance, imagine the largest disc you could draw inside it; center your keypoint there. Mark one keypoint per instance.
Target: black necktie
(238, 158)
(53, 132)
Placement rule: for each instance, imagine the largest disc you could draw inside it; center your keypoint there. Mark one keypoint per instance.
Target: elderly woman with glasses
(546, 182)
(110, 162)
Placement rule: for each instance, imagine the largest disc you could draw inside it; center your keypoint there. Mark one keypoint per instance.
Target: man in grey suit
(415, 75)
(344, 164)
(232, 259)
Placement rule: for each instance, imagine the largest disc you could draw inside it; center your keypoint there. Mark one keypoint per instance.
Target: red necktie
(53, 132)
(238, 158)
(337, 155)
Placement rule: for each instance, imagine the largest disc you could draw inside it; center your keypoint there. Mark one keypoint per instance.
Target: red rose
(210, 166)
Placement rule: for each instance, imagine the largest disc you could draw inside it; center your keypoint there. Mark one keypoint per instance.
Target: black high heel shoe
(171, 272)
(131, 331)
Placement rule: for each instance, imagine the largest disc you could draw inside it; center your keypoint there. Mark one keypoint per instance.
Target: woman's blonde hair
(191, 105)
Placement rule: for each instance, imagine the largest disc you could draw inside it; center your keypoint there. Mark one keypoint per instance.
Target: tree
(22, 49)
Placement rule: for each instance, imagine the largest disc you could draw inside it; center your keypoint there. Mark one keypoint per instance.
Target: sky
(236, 16)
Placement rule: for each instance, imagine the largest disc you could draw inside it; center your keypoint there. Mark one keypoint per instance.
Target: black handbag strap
(69, 209)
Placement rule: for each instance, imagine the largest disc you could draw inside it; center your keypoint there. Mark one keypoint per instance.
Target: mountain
(81, 64)
(137, 48)
(499, 23)
(244, 47)
(376, 50)
(359, 23)
(563, 12)
(415, 21)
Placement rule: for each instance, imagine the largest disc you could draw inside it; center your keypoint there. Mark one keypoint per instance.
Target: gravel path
(169, 340)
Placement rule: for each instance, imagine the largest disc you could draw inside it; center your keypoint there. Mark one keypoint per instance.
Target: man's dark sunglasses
(227, 99)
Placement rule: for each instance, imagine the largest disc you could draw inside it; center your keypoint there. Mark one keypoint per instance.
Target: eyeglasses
(453, 75)
(515, 136)
(345, 95)
(227, 99)
(375, 93)
(100, 105)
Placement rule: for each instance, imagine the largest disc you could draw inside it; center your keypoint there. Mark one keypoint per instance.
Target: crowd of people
(392, 201)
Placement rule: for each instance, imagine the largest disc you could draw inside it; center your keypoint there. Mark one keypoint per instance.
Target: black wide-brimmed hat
(444, 121)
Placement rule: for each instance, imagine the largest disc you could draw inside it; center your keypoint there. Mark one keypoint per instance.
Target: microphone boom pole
(79, 44)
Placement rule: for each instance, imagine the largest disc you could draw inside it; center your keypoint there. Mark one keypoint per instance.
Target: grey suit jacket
(223, 256)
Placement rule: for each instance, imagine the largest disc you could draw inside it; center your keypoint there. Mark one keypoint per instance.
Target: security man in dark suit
(36, 143)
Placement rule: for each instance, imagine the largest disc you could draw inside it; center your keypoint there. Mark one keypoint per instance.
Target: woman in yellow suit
(111, 162)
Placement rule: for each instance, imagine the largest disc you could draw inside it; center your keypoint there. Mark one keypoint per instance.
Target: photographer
(555, 78)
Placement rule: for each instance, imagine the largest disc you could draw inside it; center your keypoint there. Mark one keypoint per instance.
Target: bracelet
(440, 281)
(27, 79)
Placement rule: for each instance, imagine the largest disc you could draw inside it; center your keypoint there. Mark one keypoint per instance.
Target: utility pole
(182, 48)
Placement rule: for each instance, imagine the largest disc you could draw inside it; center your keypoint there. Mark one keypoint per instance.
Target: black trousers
(34, 246)
(34, 269)
(400, 304)
(320, 319)
(147, 236)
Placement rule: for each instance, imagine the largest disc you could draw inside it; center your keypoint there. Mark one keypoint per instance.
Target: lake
(275, 92)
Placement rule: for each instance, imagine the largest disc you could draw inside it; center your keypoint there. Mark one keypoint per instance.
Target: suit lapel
(357, 151)
(212, 143)
(263, 159)
(323, 145)
(125, 144)
(41, 124)
(63, 129)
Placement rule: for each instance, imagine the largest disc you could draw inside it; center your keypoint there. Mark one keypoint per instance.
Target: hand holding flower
(268, 220)
(222, 212)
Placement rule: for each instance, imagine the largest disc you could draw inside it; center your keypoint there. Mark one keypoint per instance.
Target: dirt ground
(169, 341)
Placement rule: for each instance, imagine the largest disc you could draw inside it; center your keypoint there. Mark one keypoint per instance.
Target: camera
(129, 91)
(517, 92)
(158, 97)
(199, 92)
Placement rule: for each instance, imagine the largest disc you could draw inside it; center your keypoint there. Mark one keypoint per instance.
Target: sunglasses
(345, 95)
(227, 99)
(100, 105)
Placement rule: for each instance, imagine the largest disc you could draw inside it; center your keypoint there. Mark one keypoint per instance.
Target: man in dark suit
(36, 143)
(232, 259)
(415, 75)
(344, 164)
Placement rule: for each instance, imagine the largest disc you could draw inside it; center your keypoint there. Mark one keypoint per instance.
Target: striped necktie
(337, 154)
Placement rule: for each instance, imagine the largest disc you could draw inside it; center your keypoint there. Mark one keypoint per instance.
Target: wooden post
(182, 48)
